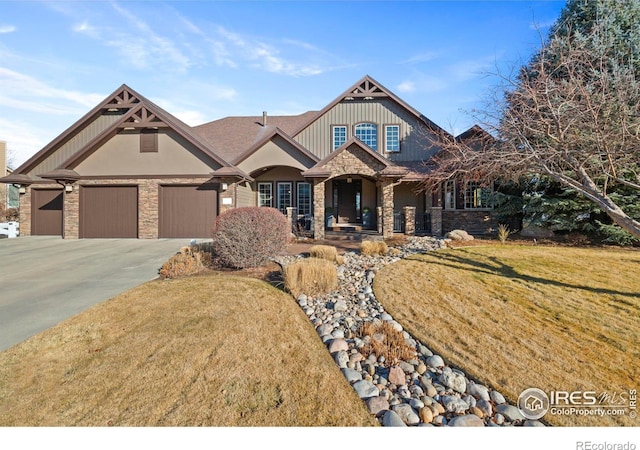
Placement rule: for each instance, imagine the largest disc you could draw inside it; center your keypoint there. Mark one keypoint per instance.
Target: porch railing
(303, 225)
(423, 223)
(398, 222)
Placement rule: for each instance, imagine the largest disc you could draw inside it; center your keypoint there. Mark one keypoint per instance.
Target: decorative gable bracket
(143, 118)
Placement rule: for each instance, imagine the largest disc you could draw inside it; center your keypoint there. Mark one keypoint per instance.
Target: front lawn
(515, 317)
(210, 350)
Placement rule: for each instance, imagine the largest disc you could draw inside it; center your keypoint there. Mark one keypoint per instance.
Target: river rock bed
(421, 391)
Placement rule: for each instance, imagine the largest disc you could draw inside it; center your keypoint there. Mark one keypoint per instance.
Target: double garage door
(112, 211)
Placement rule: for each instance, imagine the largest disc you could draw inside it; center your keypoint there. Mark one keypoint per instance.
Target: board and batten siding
(74, 144)
(317, 137)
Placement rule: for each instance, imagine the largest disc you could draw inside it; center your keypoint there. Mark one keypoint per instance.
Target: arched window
(367, 133)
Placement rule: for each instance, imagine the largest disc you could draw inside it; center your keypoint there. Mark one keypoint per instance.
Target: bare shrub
(188, 261)
(310, 276)
(382, 339)
(248, 237)
(374, 248)
(9, 215)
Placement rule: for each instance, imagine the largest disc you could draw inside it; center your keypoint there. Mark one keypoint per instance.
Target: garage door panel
(46, 212)
(109, 212)
(187, 211)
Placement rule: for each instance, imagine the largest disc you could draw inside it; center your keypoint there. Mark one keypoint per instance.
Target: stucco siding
(276, 152)
(121, 156)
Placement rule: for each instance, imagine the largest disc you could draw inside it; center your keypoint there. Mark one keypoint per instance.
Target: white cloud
(5, 29)
(407, 86)
(26, 92)
(422, 57)
(23, 139)
(266, 56)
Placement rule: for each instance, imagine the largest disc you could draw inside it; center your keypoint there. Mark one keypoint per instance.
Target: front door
(347, 200)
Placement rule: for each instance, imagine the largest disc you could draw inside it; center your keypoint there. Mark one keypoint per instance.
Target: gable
(107, 128)
(122, 155)
(369, 102)
(276, 152)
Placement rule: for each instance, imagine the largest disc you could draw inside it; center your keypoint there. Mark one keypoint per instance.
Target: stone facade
(318, 207)
(471, 221)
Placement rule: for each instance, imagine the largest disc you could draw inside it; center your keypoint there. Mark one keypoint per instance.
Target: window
(339, 136)
(304, 198)
(265, 194)
(368, 133)
(392, 138)
(450, 195)
(284, 197)
(477, 197)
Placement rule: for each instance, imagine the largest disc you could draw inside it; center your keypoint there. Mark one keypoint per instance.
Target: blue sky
(203, 60)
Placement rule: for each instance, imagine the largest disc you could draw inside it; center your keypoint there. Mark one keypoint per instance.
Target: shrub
(188, 261)
(248, 237)
(459, 235)
(328, 252)
(9, 215)
(374, 248)
(503, 232)
(384, 340)
(310, 276)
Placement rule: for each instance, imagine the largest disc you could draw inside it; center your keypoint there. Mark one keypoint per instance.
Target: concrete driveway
(46, 279)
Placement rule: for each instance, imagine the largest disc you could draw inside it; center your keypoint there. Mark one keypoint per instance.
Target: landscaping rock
(337, 345)
(351, 375)
(469, 420)
(435, 361)
(396, 376)
(406, 413)
(392, 419)
(453, 380)
(366, 389)
(510, 412)
(377, 404)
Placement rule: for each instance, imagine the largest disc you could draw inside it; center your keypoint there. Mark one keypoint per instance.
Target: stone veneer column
(148, 191)
(379, 216)
(292, 217)
(436, 221)
(71, 213)
(387, 209)
(25, 212)
(318, 208)
(409, 220)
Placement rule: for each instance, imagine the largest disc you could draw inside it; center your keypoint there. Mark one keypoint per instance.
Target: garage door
(109, 212)
(187, 211)
(46, 212)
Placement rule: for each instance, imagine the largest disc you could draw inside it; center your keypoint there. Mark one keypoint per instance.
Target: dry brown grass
(519, 316)
(384, 340)
(374, 248)
(210, 350)
(310, 276)
(328, 252)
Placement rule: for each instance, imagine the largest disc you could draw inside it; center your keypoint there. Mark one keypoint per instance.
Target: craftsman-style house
(130, 169)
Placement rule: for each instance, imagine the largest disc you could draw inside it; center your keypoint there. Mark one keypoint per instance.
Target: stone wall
(473, 222)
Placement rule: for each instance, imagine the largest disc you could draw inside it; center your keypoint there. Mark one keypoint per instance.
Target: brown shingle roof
(231, 136)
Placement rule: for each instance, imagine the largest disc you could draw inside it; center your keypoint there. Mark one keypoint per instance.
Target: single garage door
(187, 211)
(109, 212)
(46, 212)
